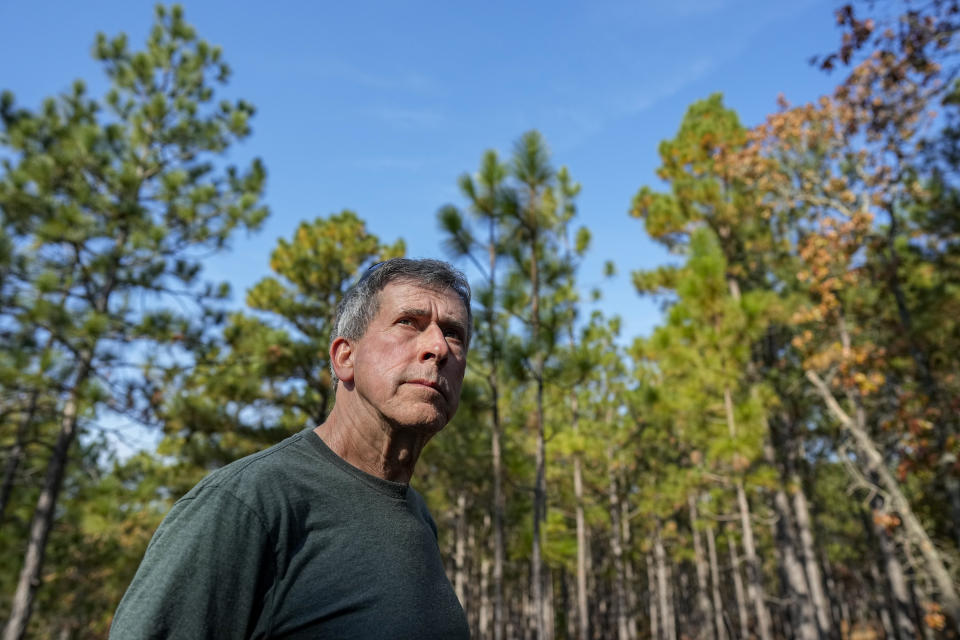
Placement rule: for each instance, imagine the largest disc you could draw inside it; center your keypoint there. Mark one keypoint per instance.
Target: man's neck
(375, 448)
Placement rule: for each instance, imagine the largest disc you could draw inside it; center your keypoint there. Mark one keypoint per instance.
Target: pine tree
(269, 376)
(116, 197)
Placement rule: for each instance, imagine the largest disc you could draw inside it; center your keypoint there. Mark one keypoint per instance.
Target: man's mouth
(435, 385)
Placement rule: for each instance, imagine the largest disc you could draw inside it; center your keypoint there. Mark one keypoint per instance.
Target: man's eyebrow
(410, 311)
(419, 313)
(453, 322)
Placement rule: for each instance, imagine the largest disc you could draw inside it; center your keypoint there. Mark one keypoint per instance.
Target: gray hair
(362, 301)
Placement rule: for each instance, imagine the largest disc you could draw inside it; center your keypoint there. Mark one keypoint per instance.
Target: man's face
(408, 367)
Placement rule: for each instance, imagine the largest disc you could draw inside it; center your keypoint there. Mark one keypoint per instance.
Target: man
(320, 536)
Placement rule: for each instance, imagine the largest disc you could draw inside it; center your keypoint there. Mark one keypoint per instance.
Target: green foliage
(106, 204)
(269, 376)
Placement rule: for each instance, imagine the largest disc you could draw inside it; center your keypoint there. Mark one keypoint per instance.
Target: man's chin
(425, 422)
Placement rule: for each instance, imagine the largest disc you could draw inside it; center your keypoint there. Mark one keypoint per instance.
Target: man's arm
(205, 574)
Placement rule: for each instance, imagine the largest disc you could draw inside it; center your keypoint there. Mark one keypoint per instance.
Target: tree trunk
(738, 587)
(475, 581)
(619, 593)
(483, 623)
(755, 589)
(781, 611)
(896, 582)
(498, 516)
(628, 568)
(754, 576)
(529, 630)
(568, 586)
(704, 618)
(915, 532)
(539, 489)
(801, 511)
(718, 625)
(539, 509)
(17, 453)
(652, 593)
(496, 456)
(663, 590)
(583, 617)
(42, 523)
(802, 615)
(884, 606)
(548, 613)
(460, 553)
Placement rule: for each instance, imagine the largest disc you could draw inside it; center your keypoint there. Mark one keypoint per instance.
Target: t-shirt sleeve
(206, 573)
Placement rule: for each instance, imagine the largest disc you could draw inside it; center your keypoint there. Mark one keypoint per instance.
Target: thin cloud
(408, 81)
(407, 118)
(581, 122)
(641, 101)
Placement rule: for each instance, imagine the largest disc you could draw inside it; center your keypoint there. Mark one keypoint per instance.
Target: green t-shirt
(293, 542)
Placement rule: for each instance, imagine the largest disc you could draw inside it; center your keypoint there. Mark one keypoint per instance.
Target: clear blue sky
(379, 106)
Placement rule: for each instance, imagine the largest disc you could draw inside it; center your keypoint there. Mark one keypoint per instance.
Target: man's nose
(433, 344)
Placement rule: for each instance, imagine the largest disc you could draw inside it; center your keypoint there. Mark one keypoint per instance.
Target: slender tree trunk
(483, 623)
(801, 511)
(899, 593)
(703, 621)
(539, 509)
(781, 612)
(663, 590)
(17, 452)
(549, 616)
(802, 614)
(915, 532)
(496, 430)
(499, 509)
(803, 617)
(616, 547)
(583, 617)
(918, 611)
(539, 490)
(838, 597)
(42, 523)
(672, 603)
(568, 586)
(754, 576)
(460, 552)
(475, 581)
(652, 592)
(738, 587)
(755, 589)
(884, 605)
(516, 618)
(628, 568)
(718, 625)
(529, 630)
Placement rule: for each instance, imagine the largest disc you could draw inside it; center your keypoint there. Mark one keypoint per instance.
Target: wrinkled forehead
(407, 291)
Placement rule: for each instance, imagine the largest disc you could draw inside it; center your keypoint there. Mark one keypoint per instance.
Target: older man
(320, 536)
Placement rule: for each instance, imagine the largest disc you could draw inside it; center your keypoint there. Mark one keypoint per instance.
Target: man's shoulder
(260, 471)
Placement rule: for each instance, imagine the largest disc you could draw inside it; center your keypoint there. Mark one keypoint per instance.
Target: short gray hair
(362, 301)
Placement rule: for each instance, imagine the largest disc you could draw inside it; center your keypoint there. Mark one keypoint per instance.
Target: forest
(778, 458)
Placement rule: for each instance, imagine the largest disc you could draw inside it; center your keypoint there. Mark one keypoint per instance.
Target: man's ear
(341, 356)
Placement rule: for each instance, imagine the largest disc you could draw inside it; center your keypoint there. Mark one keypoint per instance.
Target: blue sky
(379, 106)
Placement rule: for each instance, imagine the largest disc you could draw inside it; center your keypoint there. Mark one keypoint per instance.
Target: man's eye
(405, 321)
(453, 333)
